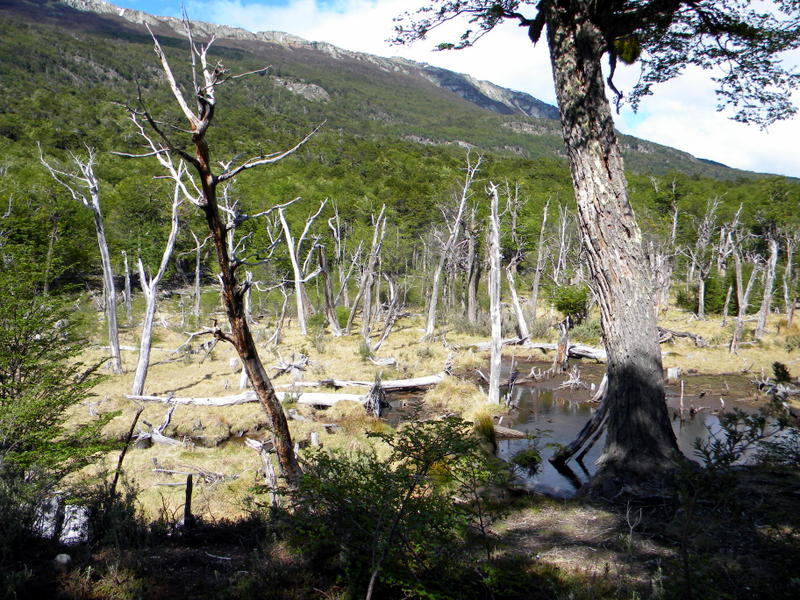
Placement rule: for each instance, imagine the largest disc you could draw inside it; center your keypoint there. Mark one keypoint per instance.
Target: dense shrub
(392, 516)
(572, 301)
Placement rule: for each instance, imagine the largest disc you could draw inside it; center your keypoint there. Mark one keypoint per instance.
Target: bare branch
(269, 159)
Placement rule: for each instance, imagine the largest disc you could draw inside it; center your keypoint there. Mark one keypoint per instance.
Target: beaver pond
(553, 416)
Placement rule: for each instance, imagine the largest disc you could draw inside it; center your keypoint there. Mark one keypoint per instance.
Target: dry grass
(205, 428)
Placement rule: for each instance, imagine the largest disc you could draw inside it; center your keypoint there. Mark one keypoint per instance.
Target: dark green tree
(662, 36)
(40, 378)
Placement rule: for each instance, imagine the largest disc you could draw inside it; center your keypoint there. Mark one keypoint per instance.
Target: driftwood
(315, 399)
(573, 351)
(506, 433)
(156, 434)
(665, 335)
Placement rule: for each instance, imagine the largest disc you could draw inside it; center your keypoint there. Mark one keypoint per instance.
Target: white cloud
(681, 113)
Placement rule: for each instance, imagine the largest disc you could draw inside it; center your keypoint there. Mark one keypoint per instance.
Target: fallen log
(315, 399)
(665, 335)
(506, 433)
(574, 350)
(485, 346)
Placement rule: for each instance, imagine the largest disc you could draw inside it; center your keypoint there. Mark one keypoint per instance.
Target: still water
(557, 415)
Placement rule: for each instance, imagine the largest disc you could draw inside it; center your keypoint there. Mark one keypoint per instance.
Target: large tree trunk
(640, 443)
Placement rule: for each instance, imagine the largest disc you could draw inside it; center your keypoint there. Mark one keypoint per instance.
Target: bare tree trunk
(126, 294)
(640, 441)
(727, 305)
(150, 289)
(541, 254)
(203, 91)
(330, 308)
(294, 254)
(743, 298)
(365, 287)
(48, 262)
(701, 297)
(790, 239)
(447, 248)
(522, 325)
(494, 296)
(87, 180)
(769, 283)
(473, 269)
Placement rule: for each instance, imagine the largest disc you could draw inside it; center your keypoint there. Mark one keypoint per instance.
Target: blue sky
(681, 113)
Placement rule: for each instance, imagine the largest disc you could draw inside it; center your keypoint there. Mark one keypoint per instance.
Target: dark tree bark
(640, 441)
(233, 291)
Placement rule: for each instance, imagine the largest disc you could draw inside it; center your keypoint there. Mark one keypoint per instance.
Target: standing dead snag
(494, 295)
(77, 184)
(206, 79)
(449, 245)
(150, 289)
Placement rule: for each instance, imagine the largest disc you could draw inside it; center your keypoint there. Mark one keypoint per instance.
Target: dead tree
(198, 247)
(84, 187)
(742, 295)
(473, 265)
(541, 256)
(701, 257)
(126, 294)
(512, 209)
(791, 238)
(769, 284)
(449, 244)
(150, 290)
(206, 80)
(494, 295)
(364, 294)
(330, 306)
(295, 250)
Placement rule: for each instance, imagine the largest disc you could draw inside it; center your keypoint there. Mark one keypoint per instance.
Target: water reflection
(553, 416)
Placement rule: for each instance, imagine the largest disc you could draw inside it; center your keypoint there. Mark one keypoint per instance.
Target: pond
(555, 415)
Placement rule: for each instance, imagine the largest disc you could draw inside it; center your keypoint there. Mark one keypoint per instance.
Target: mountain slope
(356, 93)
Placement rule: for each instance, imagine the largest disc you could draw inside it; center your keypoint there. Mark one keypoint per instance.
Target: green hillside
(389, 136)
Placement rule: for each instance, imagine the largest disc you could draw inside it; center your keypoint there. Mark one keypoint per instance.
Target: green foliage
(387, 514)
(484, 428)
(529, 460)
(39, 376)
(589, 331)
(739, 433)
(342, 314)
(572, 301)
(781, 373)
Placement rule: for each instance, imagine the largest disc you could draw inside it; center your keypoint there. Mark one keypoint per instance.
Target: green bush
(342, 314)
(572, 301)
(529, 460)
(392, 517)
(589, 332)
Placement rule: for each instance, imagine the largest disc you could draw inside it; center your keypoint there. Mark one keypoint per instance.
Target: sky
(681, 113)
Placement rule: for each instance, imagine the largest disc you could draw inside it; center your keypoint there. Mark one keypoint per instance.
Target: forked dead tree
(206, 79)
(150, 290)
(295, 249)
(454, 230)
(541, 256)
(84, 187)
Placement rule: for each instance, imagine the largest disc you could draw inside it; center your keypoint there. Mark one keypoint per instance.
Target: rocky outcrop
(482, 93)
